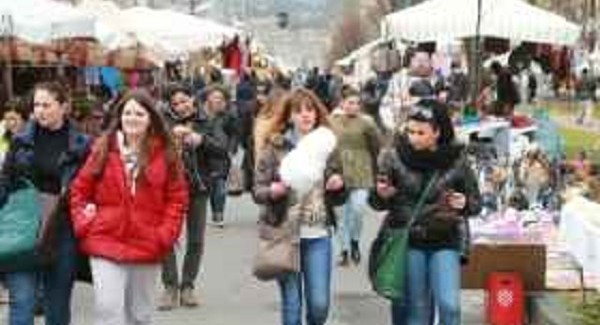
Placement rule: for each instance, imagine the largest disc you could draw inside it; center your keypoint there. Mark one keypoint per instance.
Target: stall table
(527, 259)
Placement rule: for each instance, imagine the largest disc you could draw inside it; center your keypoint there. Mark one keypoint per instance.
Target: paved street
(231, 296)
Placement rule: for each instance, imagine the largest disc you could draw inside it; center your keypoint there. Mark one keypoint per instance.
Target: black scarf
(178, 119)
(424, 160)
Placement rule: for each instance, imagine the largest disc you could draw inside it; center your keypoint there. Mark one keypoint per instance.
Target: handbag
(388, 256)
(235, 186)
(20, 221)
(51, 205)
(465, 241)
(278, 250)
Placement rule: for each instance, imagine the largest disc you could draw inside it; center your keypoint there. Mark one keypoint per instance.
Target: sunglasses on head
(421, 113)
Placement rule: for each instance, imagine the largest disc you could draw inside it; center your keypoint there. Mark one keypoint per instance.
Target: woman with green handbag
(47, 153)
(15, 115)
(427, 187)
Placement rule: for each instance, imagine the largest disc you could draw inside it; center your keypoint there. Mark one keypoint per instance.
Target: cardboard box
(529, 260)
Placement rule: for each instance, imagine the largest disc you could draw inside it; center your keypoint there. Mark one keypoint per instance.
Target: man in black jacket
(200, 148)
(222, 120)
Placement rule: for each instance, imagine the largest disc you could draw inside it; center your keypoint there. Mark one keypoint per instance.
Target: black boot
(344, 261)
(355, 251)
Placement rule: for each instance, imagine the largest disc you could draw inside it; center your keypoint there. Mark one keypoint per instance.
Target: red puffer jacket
(129, 228)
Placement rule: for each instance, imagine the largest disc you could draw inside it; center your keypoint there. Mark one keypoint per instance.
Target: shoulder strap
(432, 180)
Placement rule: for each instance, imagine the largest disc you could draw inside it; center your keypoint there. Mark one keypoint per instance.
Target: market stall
(436, 20)
(516, 231)
(41, 26)
(508, 141)
(175, 33)
(359, 61)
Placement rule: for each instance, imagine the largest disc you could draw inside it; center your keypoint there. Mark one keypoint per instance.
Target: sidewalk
(231, 296)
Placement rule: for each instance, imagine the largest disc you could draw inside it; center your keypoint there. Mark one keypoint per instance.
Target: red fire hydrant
(505, 299)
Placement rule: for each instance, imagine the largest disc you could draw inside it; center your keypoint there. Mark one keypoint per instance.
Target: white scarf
(130, 160)
(304, 166)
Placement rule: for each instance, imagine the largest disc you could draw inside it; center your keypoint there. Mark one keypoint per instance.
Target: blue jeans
(352, 218)
(57, 283)
(433, 275)
(313, 280)
(217, 193)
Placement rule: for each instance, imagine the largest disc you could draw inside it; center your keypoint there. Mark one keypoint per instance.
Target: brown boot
(189, 298)
(169, 299)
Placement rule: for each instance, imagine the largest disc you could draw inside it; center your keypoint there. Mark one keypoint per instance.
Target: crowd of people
(127, 179)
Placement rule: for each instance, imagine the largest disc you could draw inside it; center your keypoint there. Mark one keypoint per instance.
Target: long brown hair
(158, 130)
(293, 101)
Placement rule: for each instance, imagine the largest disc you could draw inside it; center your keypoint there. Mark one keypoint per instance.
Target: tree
(347, 37)
(359, 24)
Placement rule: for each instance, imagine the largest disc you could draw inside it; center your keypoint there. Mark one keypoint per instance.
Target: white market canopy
(41, 21)
(361, 52)
(108, 23)
(161, 35)
(174, 32)
(436, 20)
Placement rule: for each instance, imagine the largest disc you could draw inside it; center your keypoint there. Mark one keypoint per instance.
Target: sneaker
(344, 261)
(168, 300)
(218, 220)
(355, 252)
(188, 298)
(218, 224)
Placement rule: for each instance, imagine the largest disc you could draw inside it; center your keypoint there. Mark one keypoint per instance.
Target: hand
(384, 188)
(278, 190)
(457, 200)
(443, 96)
(181, 131)
(90, 210)
(193, 139)
(334, 183)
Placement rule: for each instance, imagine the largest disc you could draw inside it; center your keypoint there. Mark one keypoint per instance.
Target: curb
(546, 309)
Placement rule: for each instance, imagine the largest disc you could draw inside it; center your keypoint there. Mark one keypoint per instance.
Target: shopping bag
(235, 186)
(388, 262)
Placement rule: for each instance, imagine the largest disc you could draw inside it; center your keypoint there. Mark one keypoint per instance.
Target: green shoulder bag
(20, 220)
(389, 254)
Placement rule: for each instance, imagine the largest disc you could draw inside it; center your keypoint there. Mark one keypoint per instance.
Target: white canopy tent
(436, 20)
(361, 60)
(108, 23)
(361, 52)
(173, 32)
(160, 35)
(125, 46)
(41, 21)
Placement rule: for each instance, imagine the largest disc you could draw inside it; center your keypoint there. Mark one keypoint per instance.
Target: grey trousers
(124, 294)
(194, 248)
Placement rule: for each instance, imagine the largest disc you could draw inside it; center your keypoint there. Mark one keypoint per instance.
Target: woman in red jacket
(127, 205)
